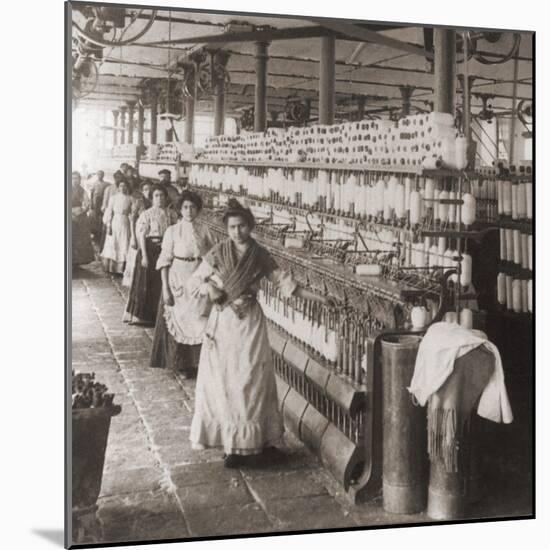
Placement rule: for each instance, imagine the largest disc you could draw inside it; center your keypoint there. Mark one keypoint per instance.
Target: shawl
(238, 275)
(456, 369)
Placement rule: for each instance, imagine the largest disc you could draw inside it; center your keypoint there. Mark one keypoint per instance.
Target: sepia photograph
(300, 290)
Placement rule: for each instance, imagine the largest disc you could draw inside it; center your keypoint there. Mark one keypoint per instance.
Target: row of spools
(418, 140)
(350, 193)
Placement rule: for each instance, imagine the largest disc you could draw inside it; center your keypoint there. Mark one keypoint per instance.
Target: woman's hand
(167, 297)
(144, 261)
(216, 295)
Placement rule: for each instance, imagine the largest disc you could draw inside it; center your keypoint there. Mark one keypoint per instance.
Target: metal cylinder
(405, 461)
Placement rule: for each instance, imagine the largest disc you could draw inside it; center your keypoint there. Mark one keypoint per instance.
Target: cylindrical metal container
(405, 461)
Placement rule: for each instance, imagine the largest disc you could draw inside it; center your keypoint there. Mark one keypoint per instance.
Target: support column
(260, 91)
(327, 92)
(123, 124)
(220, 60)
(140, 125)
(153, 108)
(190, 105)
(406, 94)
(115, 127)
(131, 108)
(444, 70)
(361, 102)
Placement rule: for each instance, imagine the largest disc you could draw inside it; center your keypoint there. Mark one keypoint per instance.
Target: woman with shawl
(236, 405)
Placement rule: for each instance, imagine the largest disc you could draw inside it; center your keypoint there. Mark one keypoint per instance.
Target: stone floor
(155, 487)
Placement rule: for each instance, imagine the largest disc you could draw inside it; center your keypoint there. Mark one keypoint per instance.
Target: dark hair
(157, 187)
(76, 173)
(191, 196)
(119, 174)
(234, 209)
(145, 182)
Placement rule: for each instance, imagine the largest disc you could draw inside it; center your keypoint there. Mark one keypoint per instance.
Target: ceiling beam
(315, 77)
(366, 35)
(266, 35)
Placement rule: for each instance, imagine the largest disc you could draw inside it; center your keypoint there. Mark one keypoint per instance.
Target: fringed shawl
(239, 275)
(450, 408)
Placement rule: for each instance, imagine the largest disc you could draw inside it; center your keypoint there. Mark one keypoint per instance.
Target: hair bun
(234, 203)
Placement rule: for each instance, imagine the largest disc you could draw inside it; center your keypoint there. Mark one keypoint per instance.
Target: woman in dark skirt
(146, 284)
(181, 317)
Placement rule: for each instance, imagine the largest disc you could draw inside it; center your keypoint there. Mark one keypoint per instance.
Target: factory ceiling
(372, 60)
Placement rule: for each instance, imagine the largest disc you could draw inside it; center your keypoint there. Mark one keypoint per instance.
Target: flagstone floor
(155, 487)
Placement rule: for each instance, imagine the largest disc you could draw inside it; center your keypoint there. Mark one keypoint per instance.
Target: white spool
(443, 208)
(468, 210)
(522, 202)
(530, 296)
(419, 315)
(419, 255)
(500, 198)
(433, 256)
(524, 296)
(525, 251)
(530, 251)
(390, 192)
(461, 152)
(529, 200)
(466, 270)
(429, 191)
(441, 247)
(516, 296)
(379, 196)
(507, 198)
(517, 246)
(368, 269)
(466, 318)
(399, 201)
(514, 201)
(501, 289)
(509, 299)
(415, 207)
(452, 208)
(509, 245)
(435, 204)
(502, 239)
(408, 188)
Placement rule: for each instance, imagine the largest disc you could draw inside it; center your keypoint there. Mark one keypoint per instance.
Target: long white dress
(183, 246)
(115, 249)
(236, 404)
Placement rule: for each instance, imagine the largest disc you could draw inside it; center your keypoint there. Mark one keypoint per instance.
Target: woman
(109, 192)
(181, 318)
(141, 202)
(236, 396)
(146, 283)
(83, 252)
(117, 218)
